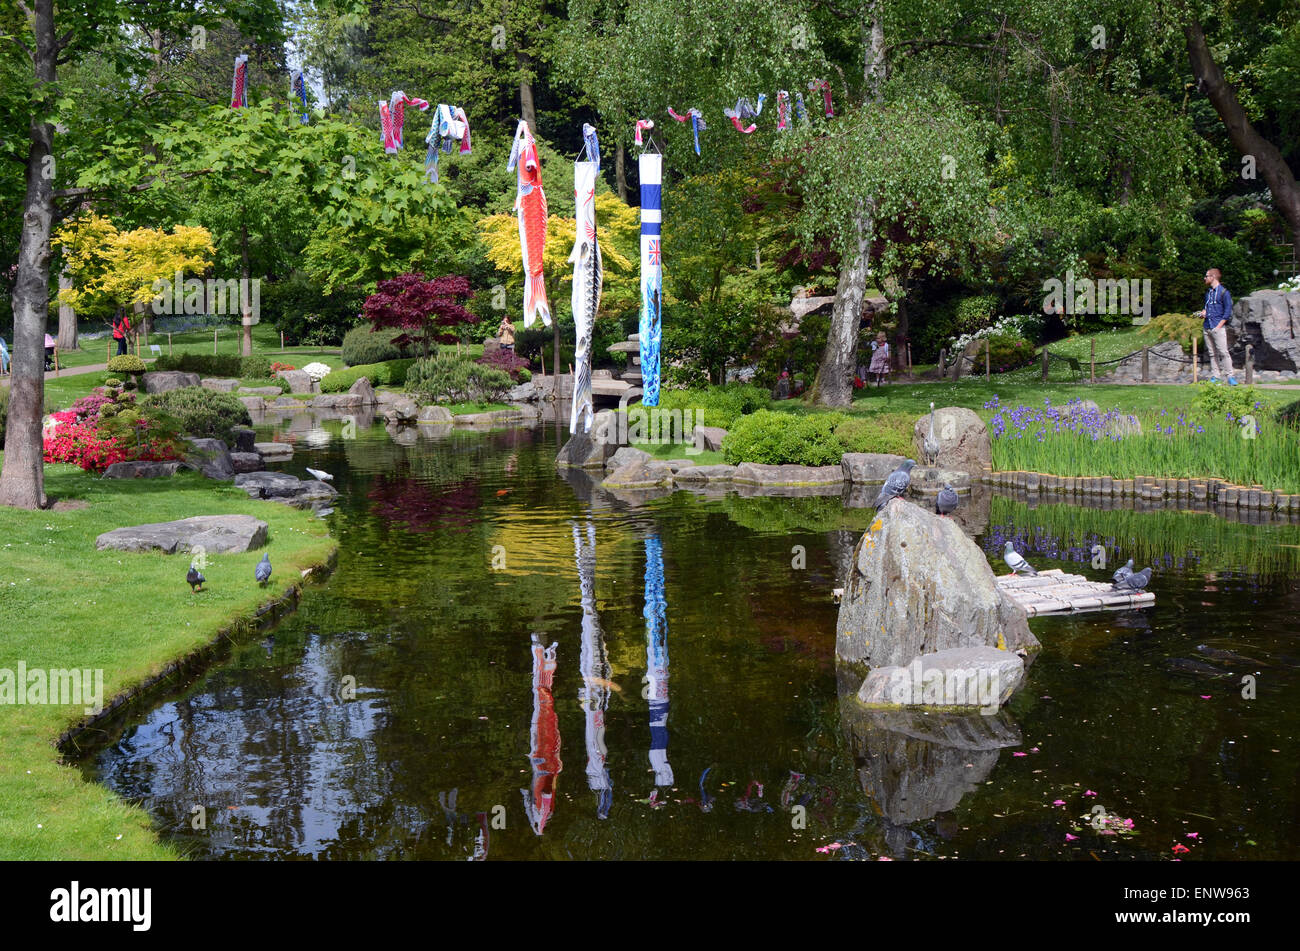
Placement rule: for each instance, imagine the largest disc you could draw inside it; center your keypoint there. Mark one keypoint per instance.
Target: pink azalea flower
(1181, 848)
(1128, 823)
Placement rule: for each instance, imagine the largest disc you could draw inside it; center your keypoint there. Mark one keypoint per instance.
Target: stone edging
(1219, 491)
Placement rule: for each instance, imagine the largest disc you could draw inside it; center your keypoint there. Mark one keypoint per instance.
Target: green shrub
(306, 316)
(525, 375)
(255, 367)
(362, 346)
(224, 365)
(1178, 327)
(126, 363)
(974, 312)
(721, 405)
(773, 438)
(388, 373)
(1219, 399)
(883, 432)
(447, 378)
(201, 412)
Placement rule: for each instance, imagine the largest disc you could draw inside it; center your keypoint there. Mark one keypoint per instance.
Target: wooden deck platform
(1055, 592)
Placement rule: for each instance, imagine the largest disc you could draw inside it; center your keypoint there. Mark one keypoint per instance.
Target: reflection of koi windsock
(539, 799)
(825, 87)
(643, 124)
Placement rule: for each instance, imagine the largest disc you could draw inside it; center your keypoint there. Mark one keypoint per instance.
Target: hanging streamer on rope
(800, 109)
(825, 87)
(386, 128)
(697, 123)
(782, 110)
(588, 277)
(745, 111)
(397, 104)
(298, 88)
(450, 127)
(643, 124)
(652, 280)
(239, 88)
(530, 208)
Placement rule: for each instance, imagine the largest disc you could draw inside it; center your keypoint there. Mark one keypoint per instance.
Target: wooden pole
(56, 359)
(108, 351)
(1045, 358)
(988, 345)
(1250, 365)
(1092, 363)
(943, 360)
(214, 341)
(541, 355)
(1146, 364)
(1196, 366)
(169, 343)
(909, 358)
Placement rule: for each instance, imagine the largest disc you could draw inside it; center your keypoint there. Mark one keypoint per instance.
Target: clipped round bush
(363, 346)
(772, 438)
(126, 363)
(717, 405)
(884, 432)
(448, 378)
(201, 412)
(388, 373)
(525, 375)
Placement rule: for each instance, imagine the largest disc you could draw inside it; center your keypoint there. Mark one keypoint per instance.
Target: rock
(751, 473)
(287, 402)
(403, 410)
(274, 451)
(259, 391)
(244, 437)
(709, 438)
(860, 467)
(141, 470)
(1267, 320)
(299, 381)
(254, 404)
(640, 475)
(919, 585)
(246, 461)
(524, 393)
(591, 450)
(210, 457)
(160, 381)
(1166, 363)
(434, 414)
(677, 465)
(962, 678)
(928, 480)
(338, 401)
(964, 442)
(220, 385)
(282, 485)
(626, 456)
(704, 475)
(215, 533)
(363, 389)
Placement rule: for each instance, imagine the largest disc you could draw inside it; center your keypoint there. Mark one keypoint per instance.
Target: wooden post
(214, 341)
(1045, 359)
(943, 360)
(169, 343)
(108, 351)
(1092, 362)
(541, 355)
(1196, 367)
(988, 345)
(1146, 364)
(909, 358)
(1250, 364)
(282, 341)
(56, 359)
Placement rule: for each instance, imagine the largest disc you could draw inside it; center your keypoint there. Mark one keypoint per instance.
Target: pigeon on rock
(946, 502)
(1125, 570)
(1135, 581)
(263, 570)
(896, 484)
(1016, 562)
(318, 474)
(195, 578)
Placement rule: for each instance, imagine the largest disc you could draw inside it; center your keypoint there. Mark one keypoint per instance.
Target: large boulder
(964, 441)
(404, 410)
(247, 462)
(918, 585)
(963, 678)
(274, 451)
(869, 467)
(591, 450)
(1268, 321)
(160, 381)
(709, 438)
(703, 475)
(627, 455)
(210, 457)
(752, 473)
(338, 401)
(298, 380)
(281, 486)
(213, 533)
(244, 439)
(640, 475)
(524, 393)
(254, 404)
(219, 385)
(258, 391)
(363, 389)
(141, 470)
(435, 414)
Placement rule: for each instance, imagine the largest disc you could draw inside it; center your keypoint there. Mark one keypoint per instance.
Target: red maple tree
(426, 309)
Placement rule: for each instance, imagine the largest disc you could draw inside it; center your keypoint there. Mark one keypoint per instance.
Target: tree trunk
(245, 317)
(1268, 160)
(67, 317)
(526, 108)
(22, 483)
(834, 384)
(620, 173)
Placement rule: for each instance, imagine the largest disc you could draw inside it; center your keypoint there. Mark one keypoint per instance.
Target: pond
(508, 664)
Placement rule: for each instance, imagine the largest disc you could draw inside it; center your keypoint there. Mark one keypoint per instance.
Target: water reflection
(544, 755)
(656, 636)
(593, 695)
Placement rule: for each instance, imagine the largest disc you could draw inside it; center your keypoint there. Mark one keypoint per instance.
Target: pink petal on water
(1206, 696)
(1089, 792)
(1059, 802)
(835, 845)
(1193, 835)
(1019, 754)
(884, 858)
(1033, 749)
(1070, 838)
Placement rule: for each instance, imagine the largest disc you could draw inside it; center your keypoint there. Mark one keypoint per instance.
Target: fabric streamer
(643, 124)
(386, 128)
(652, 276)
(782, 110)
(530, 208)
(744, 111)
(591, 143)
(397, 104)
(588, 282)
(800, 109)
(239, 88)
(450, 127)
(825, 87)
(697, 123)
(298, 87)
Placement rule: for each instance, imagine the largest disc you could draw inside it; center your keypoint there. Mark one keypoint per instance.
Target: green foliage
(525, 375)
(1178, 327)
(126, 363)
(224, 365)
(1009, 352)
(1217, 400)
(306, 315)
(201, 412)
(448, 378)
(882, 432)
(716, 405)
(774, 438)
(362, 346)
(388, 373)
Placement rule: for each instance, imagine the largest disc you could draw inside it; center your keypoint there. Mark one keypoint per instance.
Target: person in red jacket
(121, 327)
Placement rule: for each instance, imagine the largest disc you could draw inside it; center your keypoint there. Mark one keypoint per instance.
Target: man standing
(1217, 312)
(121, 327)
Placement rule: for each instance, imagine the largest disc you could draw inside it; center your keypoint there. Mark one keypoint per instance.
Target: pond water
(508, 664)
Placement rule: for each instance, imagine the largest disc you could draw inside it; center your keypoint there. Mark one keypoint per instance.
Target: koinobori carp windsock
(588, 278)
(530, 209)
(652, 280)
(239, 88)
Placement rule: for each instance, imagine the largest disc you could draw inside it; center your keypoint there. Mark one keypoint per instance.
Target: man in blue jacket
(1217, 313)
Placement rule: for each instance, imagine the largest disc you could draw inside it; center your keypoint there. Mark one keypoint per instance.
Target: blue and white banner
(652, 274)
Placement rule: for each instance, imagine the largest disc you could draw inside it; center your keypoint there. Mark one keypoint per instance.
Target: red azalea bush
(94, 441)
(89, 406)
(506, 361)
(277, 367)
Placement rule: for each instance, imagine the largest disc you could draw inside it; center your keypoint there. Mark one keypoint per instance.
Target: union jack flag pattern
(651, 168)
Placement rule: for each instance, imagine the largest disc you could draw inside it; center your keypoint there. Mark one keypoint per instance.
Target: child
(880, 357)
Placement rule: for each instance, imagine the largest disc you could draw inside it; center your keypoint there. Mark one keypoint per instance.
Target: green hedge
(721, 405)
(883, 432)
(201, 412)
(225, 365)
(362, 346)
(388, 373)
(448, 378)
(773, 439)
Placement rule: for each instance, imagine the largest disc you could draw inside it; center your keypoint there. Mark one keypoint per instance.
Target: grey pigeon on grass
(1124, 571)
(896, 484)
(946, 501)
(1135, 581)
(1016, 562)
(263, 570)
(195, 578)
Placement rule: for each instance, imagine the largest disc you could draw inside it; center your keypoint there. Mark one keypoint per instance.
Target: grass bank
(65, 605)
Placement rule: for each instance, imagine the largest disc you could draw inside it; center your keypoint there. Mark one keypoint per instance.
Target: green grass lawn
(66, 605)
(266, 340)
(678, 451)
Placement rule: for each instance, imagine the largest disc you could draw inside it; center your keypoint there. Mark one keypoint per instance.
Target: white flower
(317, 371)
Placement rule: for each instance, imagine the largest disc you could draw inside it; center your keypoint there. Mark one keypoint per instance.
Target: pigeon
(318, 474)
(896, 484)
(931, 445)
(1016, 562)
(946, 502)
(1136, 581)
(195, 578)
(1125, 570)
(263, 570)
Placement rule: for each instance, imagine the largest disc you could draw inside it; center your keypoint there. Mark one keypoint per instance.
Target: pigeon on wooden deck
(1124, 571)
(931, 445)
(945, 502)
(263, 570)
(896, 484)
(195, 578)
(318, 474)
(1136, 581)
(1016, 562)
